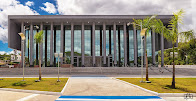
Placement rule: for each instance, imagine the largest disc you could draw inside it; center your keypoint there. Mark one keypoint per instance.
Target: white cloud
(10, 52)
(11, 7)
(29, 3)
(49, 7)
(126, 7)
(3, 52)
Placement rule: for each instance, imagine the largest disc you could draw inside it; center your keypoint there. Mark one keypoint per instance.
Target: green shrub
(20, 83)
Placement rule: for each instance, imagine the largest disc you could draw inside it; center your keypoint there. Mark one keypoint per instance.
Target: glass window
(68, 43)
(139, 47)
(77, 40)
(27, 45)
(149, 47)
(87, 35)
(97, 40)
(131, 46)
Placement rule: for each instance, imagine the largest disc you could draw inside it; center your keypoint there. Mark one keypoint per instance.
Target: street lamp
(22, 39)
(142, 33)
(58, 55)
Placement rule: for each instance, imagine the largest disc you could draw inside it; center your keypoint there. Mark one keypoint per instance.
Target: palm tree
(39, 39)
(172, 34)
(148, 24)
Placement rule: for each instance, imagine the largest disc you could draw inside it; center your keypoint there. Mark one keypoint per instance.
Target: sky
(93, 7)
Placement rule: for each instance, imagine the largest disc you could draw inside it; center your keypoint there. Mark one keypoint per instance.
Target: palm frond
(39, 37)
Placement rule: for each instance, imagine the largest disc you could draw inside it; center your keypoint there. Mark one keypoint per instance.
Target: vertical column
(104, 44)
(93, 36)
(62, 42)
(31, 45)
(135, 45)
(153, 46)
(82, 44)
(51, 45)
(114, 36)
(72, 43)
(119, 48)
(36, 45)
(162, 50)
(125, 44)
(22, 44)
(41, 47)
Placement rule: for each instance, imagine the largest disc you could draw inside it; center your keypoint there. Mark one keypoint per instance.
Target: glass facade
(68, 43)
(131, 47)
(77, 40)
(27, 46)
(57, 41)
(87, 40)
(88, 43)
(97, 40)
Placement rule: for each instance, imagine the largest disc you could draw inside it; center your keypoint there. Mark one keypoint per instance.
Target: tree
(172, 34)
(39, 39)
(148, 24)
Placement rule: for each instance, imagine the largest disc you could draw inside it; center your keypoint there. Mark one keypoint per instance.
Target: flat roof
(82, 18)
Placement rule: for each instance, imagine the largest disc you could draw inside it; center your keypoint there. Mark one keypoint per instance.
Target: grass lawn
(163, 85)
(46, 84)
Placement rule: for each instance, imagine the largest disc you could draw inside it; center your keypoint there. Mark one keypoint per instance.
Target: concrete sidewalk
(22, 96)
(101, 86)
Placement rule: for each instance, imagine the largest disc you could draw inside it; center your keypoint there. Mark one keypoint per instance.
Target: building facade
(85, 40)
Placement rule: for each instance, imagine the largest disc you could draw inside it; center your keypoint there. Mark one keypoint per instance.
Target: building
(85, 40)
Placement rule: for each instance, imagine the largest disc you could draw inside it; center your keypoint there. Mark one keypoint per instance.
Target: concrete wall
(14, 40)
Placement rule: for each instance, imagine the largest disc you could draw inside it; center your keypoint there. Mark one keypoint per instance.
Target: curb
(65, 86)
(149, 91)
(31, 91)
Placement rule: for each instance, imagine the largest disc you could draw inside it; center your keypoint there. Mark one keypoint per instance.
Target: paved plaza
(94, 82)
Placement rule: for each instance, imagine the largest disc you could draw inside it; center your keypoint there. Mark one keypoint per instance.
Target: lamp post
(58, 55)
(22, 39)
(142, 33)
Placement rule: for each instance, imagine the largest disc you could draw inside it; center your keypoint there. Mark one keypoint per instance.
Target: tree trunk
(146, 59)
(173, 78)
(147, 79)
(40, 62)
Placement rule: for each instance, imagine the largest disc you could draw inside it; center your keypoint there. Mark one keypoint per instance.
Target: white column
(135, 45)
(62, 41)
(72, 43)
(93, 36)
(82, 44)
(104, 44)
(51, 45)
(125, 44)
(114, 36)
(31, 45)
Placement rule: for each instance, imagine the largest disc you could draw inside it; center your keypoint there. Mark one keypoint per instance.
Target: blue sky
(92, 7)
(36, 6)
